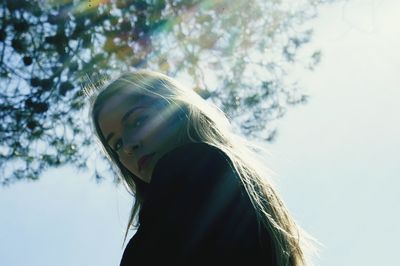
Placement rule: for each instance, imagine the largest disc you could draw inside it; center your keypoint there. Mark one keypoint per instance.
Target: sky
(335, 159)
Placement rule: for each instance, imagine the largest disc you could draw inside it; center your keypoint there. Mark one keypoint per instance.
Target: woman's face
(140, 130)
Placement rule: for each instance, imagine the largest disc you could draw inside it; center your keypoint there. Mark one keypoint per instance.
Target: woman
(202, 195)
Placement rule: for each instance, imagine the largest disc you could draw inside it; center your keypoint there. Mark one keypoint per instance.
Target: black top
(197, 213)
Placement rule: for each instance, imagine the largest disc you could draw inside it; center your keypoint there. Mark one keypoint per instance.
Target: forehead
(119, 101)
(115, 107)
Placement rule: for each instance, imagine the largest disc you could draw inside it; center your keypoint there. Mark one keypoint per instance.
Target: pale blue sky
(335, 159)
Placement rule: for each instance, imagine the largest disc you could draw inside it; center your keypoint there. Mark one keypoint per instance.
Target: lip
(144, 159)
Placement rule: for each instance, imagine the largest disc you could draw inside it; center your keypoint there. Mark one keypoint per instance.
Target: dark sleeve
(196, 211)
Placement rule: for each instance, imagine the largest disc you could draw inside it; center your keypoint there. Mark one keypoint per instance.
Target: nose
(130, 148)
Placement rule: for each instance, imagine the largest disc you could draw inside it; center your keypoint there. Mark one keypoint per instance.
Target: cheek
(128, 163)
(155, 126)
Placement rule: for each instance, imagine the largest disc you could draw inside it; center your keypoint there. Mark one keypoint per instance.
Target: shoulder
(189, 151)
(192, 159)
(193, 172)
(187, 181)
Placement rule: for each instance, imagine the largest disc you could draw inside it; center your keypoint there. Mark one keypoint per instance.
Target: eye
(138, 122)
(118, 145)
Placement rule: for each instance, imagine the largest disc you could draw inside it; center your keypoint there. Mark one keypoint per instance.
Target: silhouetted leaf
(220, 46)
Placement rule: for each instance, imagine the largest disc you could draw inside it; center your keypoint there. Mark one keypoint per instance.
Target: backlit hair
(206, 123)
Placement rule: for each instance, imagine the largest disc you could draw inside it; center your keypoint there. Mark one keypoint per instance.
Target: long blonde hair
(206, 123)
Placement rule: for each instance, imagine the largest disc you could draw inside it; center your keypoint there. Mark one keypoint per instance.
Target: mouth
(144, 159)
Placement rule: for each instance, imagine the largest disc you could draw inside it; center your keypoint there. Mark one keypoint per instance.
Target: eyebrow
(127, 114)
(109, 137)
(123, 119)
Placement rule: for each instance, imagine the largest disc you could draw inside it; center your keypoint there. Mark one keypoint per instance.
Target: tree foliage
(234, 53)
